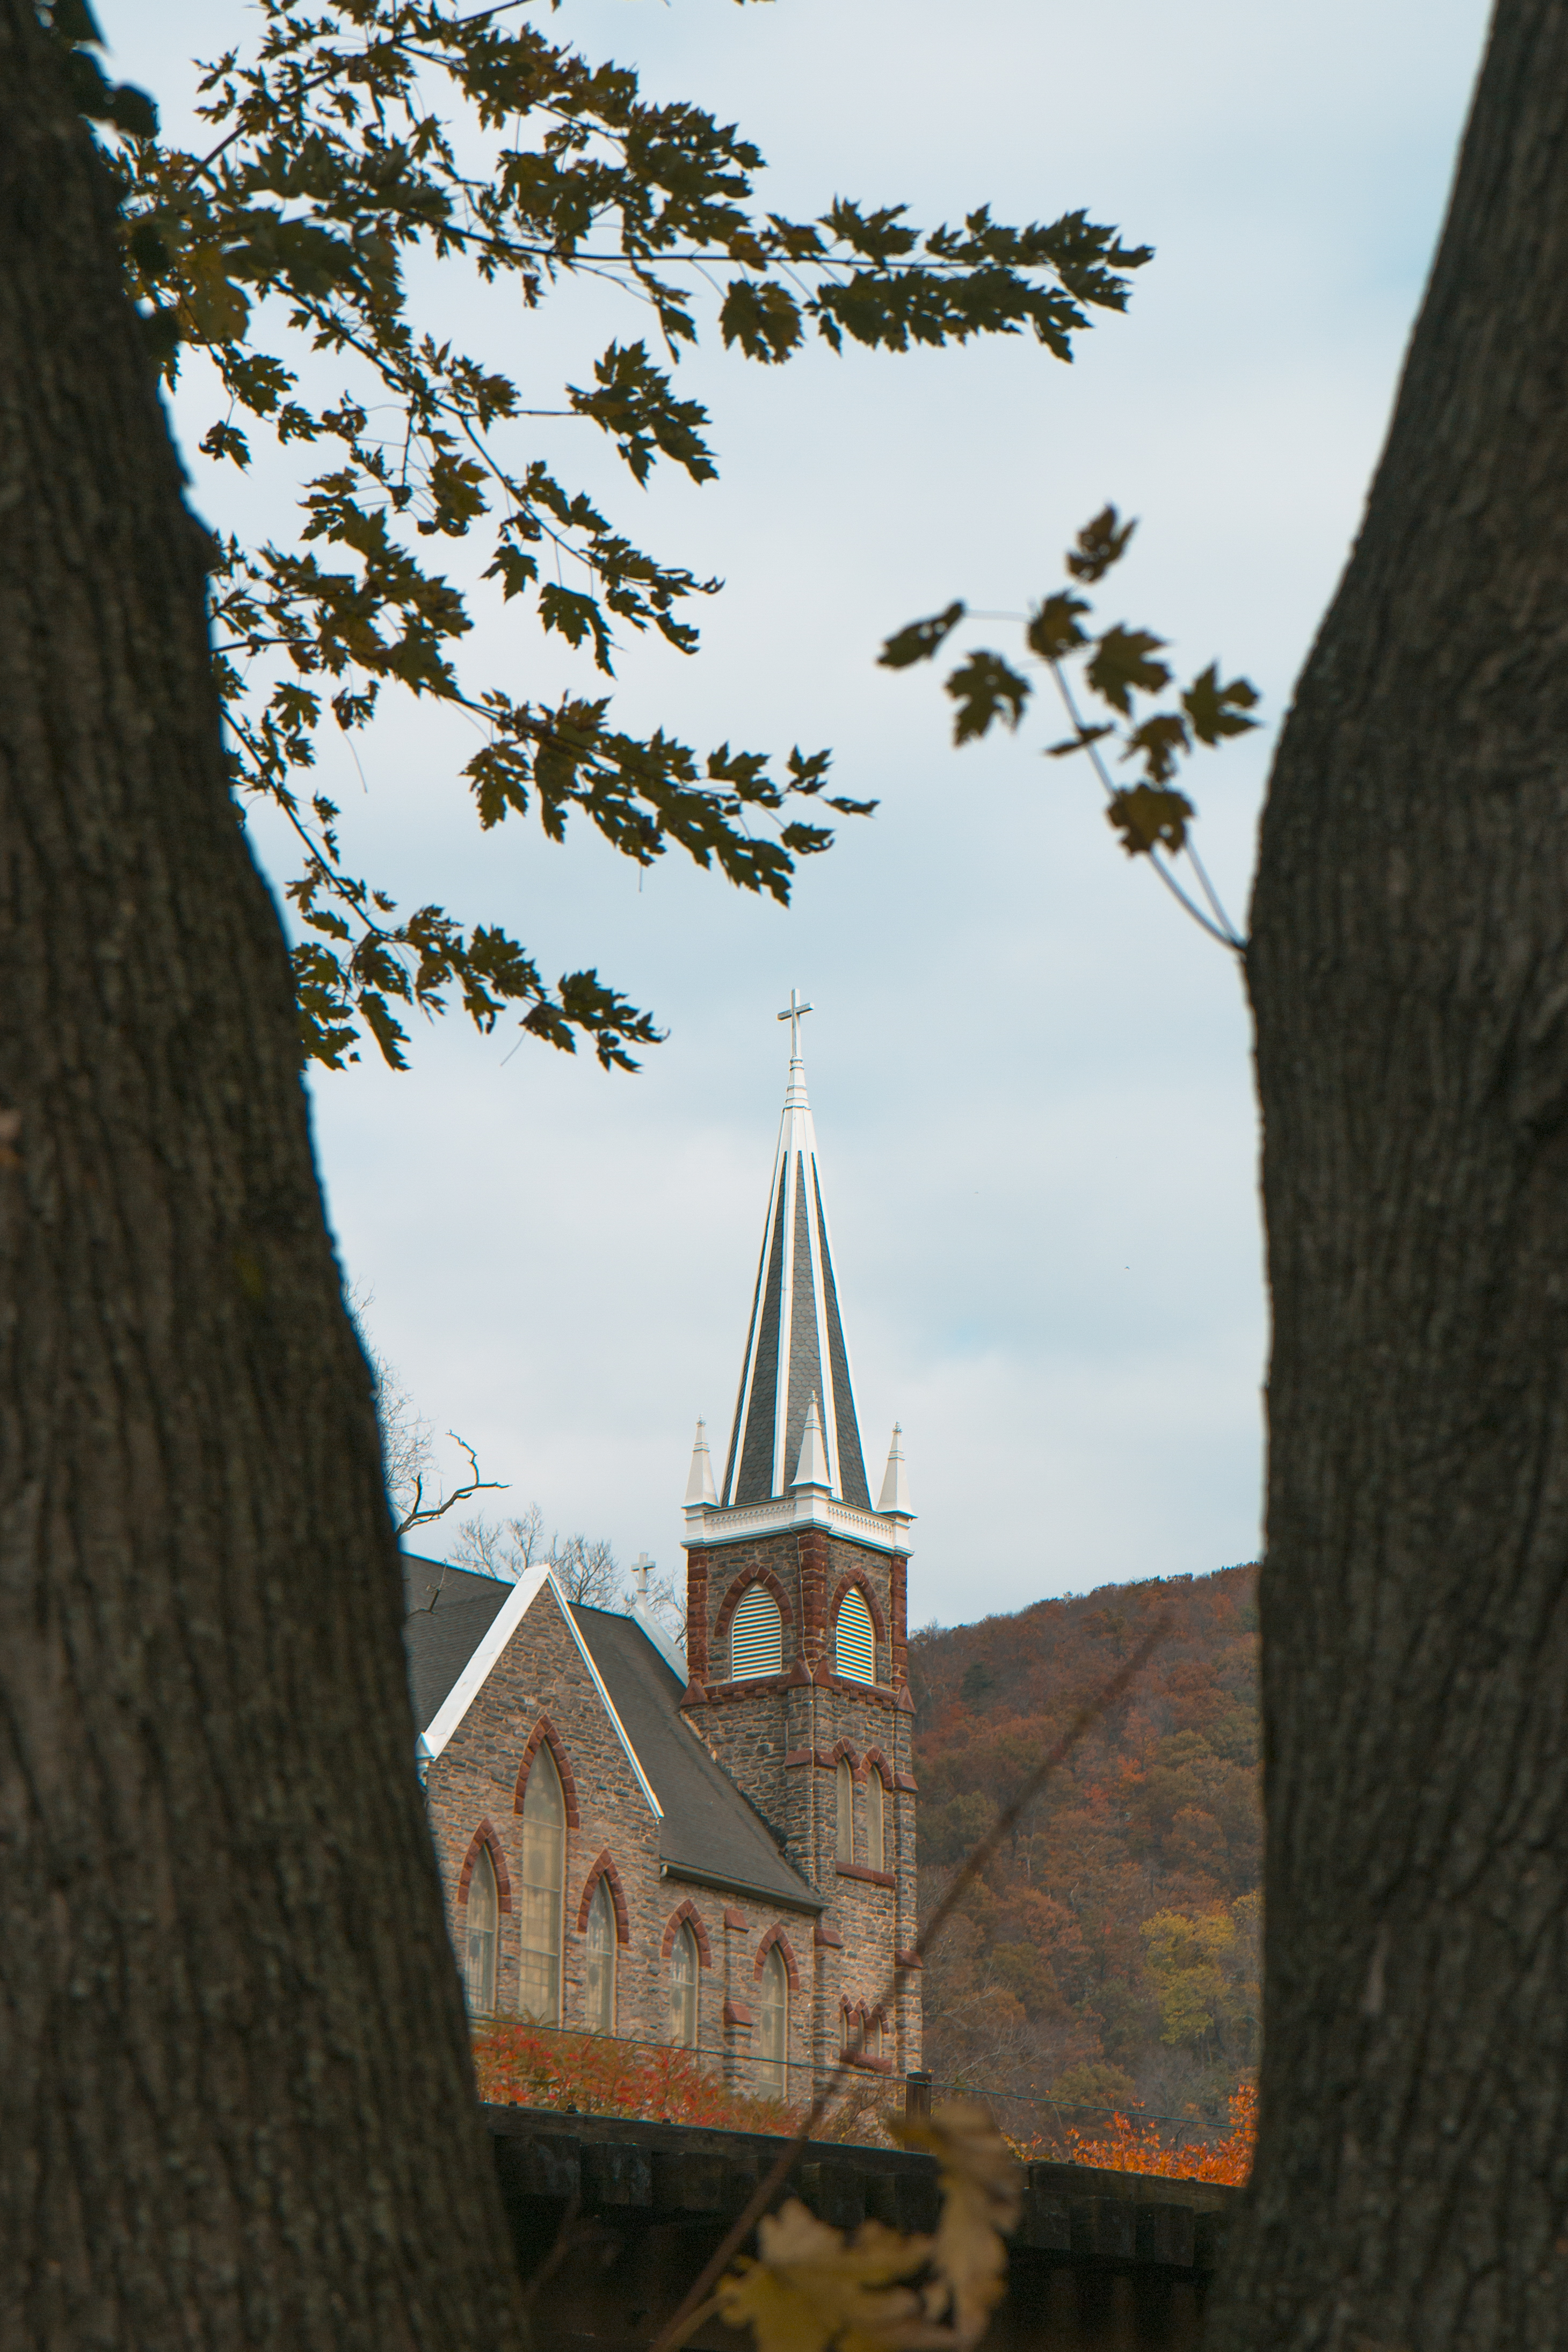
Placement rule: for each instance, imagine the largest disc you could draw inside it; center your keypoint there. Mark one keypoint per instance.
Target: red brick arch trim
(686, 1911)
(875, 1761)
(544, 1735)
(719, 1647)
(606, 1869)
(776, 1936)
(858, 1584)
(839, 1752)
(485, 1835)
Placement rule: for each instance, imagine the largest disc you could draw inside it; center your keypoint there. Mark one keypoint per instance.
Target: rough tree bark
(237, 2109)
(1409, 977)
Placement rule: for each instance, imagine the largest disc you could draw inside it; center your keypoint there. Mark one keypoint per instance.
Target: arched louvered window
(756, 1635)
(682, 2014)
(854, 1639)
(773, 2027)
(600, 2002)
(544, 1875)
(844, 1791)
(875, 1821)
(479, 1947)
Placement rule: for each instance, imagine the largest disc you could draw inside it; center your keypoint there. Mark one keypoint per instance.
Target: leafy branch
(1152, 817)
(349, 139)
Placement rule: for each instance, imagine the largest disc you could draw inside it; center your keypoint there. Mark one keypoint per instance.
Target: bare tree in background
(407, 1444)
(586, 1566)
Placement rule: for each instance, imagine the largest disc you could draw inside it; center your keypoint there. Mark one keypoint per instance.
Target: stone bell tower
(795, 1614)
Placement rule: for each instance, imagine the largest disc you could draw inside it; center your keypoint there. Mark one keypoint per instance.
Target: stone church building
(714, 1848)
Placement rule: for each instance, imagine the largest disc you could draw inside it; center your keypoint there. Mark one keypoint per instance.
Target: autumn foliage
(521, 2064)
(1133, 2146)
(1106, 1965)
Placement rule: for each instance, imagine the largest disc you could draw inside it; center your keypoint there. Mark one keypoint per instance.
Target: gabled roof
(461, 1689)
(710, 1834)
(449, 1613)
(795, 1348)
(707, 1829)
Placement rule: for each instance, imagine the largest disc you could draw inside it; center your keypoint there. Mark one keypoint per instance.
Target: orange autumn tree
(1131, 2146)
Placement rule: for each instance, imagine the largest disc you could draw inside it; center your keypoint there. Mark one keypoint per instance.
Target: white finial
(811, 1470)
(699, 1487)
(895, 1494)
(791, 1013)
(642, 1569)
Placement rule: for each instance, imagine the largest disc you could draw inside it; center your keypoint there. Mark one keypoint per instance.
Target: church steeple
(795, 1349)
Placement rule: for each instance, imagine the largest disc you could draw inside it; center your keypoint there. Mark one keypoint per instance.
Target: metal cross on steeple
(791, 1013)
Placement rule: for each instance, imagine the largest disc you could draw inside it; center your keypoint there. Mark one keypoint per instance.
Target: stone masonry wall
(539, 1690)
(781, 1738)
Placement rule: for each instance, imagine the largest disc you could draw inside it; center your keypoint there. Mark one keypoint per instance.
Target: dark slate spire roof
(795, 1348)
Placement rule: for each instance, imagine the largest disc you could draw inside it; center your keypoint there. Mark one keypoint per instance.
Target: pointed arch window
(601, 2003)
(479, 1938)
(876, 1822)
(854, 1639)
(756, 1635)
(844, 1795)
(681, 2027)
(773, 2027)
(543, 1876)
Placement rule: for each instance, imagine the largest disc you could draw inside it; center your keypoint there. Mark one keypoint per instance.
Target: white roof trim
(605, 1699)
(673, 1655)
(476, 1673)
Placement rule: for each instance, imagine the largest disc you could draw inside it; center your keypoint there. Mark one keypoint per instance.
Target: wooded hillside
(1110, 1953)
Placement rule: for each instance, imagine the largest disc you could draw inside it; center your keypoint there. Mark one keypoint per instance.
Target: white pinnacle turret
(895, 1495)
(699, 1487)
(812, 1467)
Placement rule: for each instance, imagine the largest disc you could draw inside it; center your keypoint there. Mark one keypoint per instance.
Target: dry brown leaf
(811, 2286)
(982, 2192)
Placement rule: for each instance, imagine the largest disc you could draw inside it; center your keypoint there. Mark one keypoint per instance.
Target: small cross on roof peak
(791, 1013)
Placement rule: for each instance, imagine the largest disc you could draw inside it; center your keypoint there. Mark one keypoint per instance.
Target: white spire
(796, 1345)
(700, 1487)
(895, 1495)
(812, 1468)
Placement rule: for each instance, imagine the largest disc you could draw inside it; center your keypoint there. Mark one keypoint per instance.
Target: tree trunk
(1409, 976)
(237, 2107)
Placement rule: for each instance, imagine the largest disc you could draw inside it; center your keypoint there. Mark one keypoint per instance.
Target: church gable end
(539, 1692)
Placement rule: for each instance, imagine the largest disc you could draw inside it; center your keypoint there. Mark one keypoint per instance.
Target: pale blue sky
(1030, 1075)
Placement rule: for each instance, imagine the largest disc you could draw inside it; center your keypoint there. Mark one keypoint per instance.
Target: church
(714, 1847)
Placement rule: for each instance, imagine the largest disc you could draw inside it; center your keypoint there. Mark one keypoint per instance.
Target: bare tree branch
(422, 1513)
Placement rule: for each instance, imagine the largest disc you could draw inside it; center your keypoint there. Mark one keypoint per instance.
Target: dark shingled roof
(710, 1829)
(440, 1641)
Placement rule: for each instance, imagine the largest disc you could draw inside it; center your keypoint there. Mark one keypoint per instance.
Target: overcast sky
(1030, 1074)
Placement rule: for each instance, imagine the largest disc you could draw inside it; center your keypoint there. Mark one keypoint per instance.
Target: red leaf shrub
(521, 2064)
(1135, 2149)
